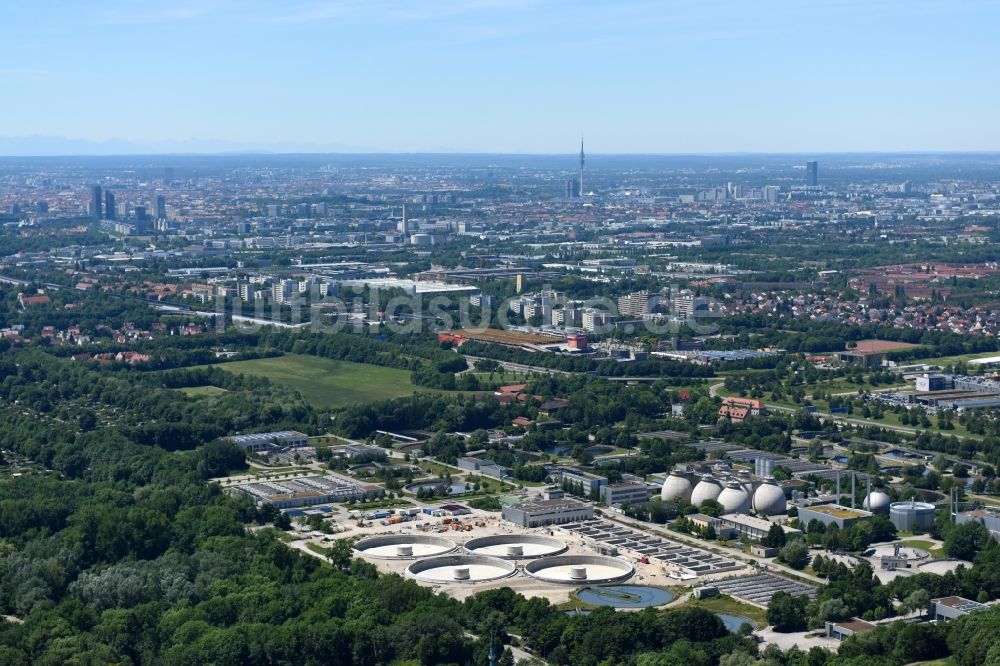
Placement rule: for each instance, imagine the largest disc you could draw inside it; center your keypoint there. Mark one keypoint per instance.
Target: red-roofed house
(737, 409)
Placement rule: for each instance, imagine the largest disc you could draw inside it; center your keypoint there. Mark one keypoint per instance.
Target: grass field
(948, 360)
(726, 604)
(325, 382)
(196, 391)
(929, 546)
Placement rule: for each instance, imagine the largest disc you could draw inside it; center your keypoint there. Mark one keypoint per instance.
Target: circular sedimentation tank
(460, 569)
(940, 567)
(625, 596)
(516, 546)
(578, 569)
(404, 546)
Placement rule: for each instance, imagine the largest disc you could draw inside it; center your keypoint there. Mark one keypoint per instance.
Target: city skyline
(499, 77)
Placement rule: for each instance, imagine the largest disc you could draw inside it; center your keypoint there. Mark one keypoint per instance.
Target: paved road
(521, 367)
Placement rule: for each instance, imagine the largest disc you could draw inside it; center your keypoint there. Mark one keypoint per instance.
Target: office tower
(41, 206)
(572, 188)
(812, 173)
(161, 207)
(109, 205)
(141, 220)
(771, 193)
(582, 161)
(96, 203)
(273, 210)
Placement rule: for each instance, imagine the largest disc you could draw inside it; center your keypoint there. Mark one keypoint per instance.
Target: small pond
(734, 622)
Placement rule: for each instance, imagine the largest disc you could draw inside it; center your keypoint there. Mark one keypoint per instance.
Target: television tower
(583, 159)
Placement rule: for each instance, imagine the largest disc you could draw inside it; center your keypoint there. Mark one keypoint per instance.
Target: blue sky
(507, 75)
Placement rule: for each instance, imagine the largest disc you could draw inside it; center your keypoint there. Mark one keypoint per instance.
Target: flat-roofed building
(751, 526)
(305, 491)
(952, 608)
(625, 493)
(841, 631)
(832, 514)
(265, 441)
(586, 482)
(988, 518)
(547, 512)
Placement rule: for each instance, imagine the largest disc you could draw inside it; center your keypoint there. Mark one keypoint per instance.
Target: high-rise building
(110, 210)
(142, 221)
(594, 320)
(246, 292)
(572, 188)
(582, 161)
(812, 173)
(283, 290)
(96, 203)
(161, 207)
(634, 305)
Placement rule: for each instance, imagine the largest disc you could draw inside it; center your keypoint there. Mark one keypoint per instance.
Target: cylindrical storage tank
(734, 499)
(676, 488)
(769, 499)
(912, 516)
(707, 489)
(877, 502)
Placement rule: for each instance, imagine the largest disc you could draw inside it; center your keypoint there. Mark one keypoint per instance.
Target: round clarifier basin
(625, 596)
(573, 569)
(940, 567)
(403, 546)
(460, 569)
(516, 546)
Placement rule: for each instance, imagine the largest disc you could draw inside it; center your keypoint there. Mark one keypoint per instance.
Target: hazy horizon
(500, 76)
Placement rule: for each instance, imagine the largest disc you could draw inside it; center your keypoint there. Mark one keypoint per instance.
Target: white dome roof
(707, 489)
(677, 487)
(769, 499)
(734, 499)
(877, 501)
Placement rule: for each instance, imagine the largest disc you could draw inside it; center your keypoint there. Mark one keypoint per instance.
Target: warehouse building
(751, 526)
(548, 512)
(305, 491)
(266, 441)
